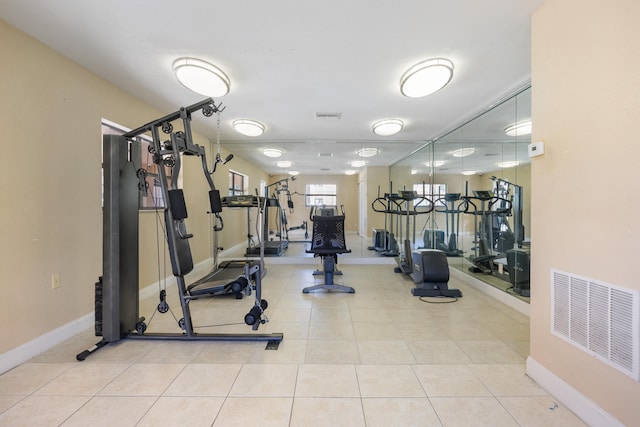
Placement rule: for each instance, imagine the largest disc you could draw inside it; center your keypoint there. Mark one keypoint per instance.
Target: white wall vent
(601, 319)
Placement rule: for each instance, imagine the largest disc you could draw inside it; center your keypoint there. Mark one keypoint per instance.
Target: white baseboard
(579, 404)
(26, 351)
(492, 291)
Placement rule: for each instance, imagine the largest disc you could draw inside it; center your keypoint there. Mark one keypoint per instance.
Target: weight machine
(484, 206)
(327, 242)
(271, 247)
(117, 292)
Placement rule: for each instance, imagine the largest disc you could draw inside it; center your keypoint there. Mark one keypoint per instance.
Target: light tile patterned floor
(379, 357)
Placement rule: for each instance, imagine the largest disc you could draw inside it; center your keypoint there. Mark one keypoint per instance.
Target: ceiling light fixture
(467, 173)
(463, 152)
(294, 173)
(350, 172)
(508, 164)
(358, 163)
(519, 129)
(435, 163)
(283, 164)
(272, 152)
(248, 127)
(387, 127)
(426, 77)
(368, 152)
(201, 77)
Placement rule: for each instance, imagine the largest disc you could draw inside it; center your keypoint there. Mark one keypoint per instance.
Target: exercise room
(301, 214)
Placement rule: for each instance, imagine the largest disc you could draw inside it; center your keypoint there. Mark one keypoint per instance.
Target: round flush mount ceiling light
(508, 164)
(435, 163)
(350, 172)
(387, 127)
(368, 152)
(272, 152)
(283, 164)
(426, 77)
(467, 173)
(248, 127)
(358, 163)
(294, 173)
(201, 77)
(463, 152)
(519, 129)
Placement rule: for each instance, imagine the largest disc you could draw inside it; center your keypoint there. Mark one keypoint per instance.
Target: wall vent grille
(601, 319)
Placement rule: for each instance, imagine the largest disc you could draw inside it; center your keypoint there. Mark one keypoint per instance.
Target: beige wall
(50, 214)
(585, 201)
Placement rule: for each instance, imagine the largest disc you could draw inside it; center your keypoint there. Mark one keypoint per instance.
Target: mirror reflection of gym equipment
(491, 160)
(117, 291)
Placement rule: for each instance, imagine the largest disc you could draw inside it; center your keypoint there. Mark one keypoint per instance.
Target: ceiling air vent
(325, 154)
(325, 169)
(320, 115)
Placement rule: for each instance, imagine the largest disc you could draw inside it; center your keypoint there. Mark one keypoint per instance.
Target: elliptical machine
(452, 207)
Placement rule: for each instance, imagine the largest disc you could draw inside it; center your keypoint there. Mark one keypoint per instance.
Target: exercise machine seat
(431, 274)
(519, 266)
(327, 242)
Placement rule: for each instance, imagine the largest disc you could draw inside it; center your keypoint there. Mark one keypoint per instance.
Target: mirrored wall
(478, 177)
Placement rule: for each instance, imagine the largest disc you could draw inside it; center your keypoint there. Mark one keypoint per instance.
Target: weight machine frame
(117, 293)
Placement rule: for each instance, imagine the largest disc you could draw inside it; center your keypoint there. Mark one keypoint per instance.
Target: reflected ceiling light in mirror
(283, 164)
(272, 152)
(508, 164)
(426, 77)
(248, 127)
(368, 152)
(435, 163)
(519, 129)
(414, 171)
(201, 77)
(463, 152)
(467, 173)
(387, 127)
(294, 173)
(358, 163)
(350, 172)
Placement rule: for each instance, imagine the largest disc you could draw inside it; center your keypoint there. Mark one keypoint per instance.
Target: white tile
(324, 411)
(204, 380)
(540, 411)
(450, 381)
(265, 381)
(507, 380)
(29, 377)
(182, 411)
(388, 381)
(42, 411)
(251, 411)
(111, 411)
(327, 381)
(146, 379)
(399, 412)
(472, 411)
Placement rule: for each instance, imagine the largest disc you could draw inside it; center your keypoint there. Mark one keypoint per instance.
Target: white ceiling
(288, 60)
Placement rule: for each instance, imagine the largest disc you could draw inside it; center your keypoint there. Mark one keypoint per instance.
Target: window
(431, 192)
(320, 195)
(238, 183)
(143, 160)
